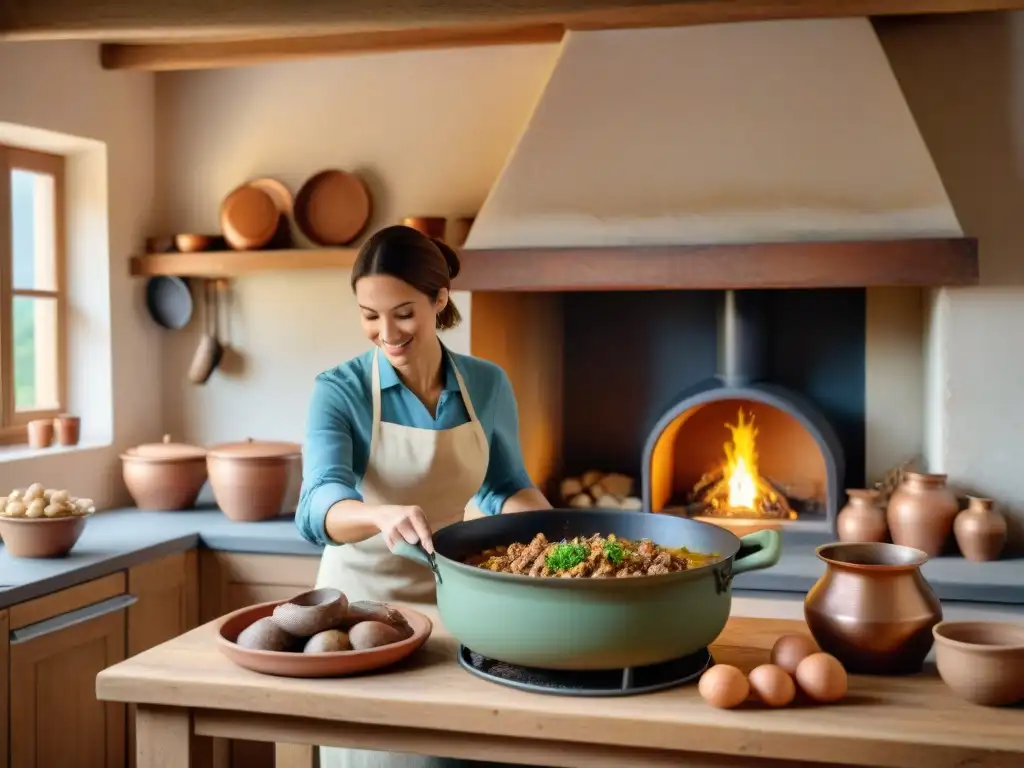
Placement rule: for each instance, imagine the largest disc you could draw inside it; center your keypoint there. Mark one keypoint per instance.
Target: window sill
(11, 453)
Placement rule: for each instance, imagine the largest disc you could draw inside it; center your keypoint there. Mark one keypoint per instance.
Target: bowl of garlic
(42, 522)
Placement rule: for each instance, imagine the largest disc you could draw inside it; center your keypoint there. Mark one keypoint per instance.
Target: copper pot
(980, 530)
(921, 513)
(252, 480)
(164, 476)
(873, 610)
(862, 519)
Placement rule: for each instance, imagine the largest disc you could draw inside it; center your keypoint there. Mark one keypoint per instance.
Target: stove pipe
(741, 348)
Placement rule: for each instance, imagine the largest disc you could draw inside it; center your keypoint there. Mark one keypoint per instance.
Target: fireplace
(739, 450)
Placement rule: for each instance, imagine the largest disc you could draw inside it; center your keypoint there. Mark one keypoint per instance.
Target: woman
(400, 439)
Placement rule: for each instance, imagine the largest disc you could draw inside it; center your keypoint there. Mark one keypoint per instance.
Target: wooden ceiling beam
(156, 57)
(158, 20)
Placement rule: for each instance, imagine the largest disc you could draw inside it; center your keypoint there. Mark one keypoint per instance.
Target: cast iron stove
(603, 682)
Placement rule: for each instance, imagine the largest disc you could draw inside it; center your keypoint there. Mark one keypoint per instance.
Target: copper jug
(873, 609)
(862, 519)
(921, 513)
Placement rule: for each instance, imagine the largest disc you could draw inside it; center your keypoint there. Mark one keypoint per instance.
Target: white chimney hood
(732, 133)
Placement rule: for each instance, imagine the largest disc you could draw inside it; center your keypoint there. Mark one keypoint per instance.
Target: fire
(736, 488)
(741, 464)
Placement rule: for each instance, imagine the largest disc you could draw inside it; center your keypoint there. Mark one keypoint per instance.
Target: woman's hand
(409, 523)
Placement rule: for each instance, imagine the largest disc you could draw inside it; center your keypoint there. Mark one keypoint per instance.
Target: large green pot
(558, 623)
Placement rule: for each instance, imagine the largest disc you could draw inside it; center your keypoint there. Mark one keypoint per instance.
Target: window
(32, 299)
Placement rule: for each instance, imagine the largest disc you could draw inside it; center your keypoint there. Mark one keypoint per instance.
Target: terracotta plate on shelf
(332, 208)
(297, 664)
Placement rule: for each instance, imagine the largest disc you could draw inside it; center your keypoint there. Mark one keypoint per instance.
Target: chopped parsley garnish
(565, 556)
(614, 552)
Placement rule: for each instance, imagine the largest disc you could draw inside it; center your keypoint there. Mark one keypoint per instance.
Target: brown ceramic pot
(980, 530)
(873, 610)
(862, 519)
(251, 479)
(921, 513)
(164, 476)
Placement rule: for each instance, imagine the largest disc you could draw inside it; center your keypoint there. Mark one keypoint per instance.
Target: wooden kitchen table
(188, 692)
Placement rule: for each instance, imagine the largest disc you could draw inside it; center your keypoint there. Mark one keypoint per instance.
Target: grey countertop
(117, 539)
(121, 538)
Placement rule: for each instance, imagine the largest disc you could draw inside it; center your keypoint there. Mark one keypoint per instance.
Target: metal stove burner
(604, 682)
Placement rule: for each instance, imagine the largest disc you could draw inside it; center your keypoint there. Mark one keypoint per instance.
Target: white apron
(438, 470)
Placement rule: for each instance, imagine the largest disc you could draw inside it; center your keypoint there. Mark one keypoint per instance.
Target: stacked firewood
(603, 490)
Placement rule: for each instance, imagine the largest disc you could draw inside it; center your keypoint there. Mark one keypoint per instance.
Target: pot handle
(757, 551)
(418, 555)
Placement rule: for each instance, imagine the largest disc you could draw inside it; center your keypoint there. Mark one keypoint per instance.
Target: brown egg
(790, 650)
(772, 685)
(822, 677)
(724, 686)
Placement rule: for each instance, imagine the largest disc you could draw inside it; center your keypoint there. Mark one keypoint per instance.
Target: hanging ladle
(210, 351)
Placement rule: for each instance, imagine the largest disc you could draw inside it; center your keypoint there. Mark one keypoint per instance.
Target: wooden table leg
(295, 756)
(164, 739)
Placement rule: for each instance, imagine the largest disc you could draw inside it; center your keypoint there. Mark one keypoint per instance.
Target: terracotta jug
(980, 530)
(921, 513)
(873, 610)
(862, 519)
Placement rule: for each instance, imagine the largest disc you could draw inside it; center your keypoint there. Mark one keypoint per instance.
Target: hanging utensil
(209, 352)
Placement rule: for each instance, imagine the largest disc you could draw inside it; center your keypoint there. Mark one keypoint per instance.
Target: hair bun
(450, 256)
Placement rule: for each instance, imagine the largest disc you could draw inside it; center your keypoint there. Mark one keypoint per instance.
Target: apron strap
(375, 395)
(462, 389)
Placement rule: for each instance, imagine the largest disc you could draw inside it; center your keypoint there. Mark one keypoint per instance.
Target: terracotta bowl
(981, 661)
(41, 536)
(193, 243)
(333, 664)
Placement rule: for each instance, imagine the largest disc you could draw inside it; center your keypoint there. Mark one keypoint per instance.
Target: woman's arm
(331, 510)
(507, 486)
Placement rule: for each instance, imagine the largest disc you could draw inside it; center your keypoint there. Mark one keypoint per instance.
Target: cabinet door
(234, 580)
(167, 592)
(55, 718)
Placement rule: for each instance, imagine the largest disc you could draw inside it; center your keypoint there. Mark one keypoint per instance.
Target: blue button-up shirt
(337, 444)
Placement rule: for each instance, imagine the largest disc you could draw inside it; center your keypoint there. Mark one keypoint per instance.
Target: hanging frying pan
(169, 301)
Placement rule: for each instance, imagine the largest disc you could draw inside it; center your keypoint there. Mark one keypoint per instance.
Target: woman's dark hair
(425, 263)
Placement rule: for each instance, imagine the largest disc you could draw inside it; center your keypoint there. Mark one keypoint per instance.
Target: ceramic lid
(256, 449)
(167, 451)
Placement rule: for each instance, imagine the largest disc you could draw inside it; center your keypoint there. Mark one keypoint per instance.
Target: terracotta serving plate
(332, 208)
(334, 664)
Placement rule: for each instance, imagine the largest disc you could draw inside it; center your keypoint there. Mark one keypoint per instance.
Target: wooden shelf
(240, 263)
(917, 262)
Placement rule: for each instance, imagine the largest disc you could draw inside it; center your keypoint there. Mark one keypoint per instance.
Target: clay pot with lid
(862, 519)
(164, 476)
(251, 480)
(980, 530)
(921, 513)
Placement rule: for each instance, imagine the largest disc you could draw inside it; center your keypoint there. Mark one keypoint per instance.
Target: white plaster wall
(60, 87)
(428, 130)
(963, 77)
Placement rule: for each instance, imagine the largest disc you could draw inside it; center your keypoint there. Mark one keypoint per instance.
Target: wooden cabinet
(58, 644)
(231, 581)
(52, 648)
(167, 605)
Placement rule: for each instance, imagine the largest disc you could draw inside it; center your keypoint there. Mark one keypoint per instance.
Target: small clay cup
(981, 661)
(40, 433)
(312, 612)
(68, 429)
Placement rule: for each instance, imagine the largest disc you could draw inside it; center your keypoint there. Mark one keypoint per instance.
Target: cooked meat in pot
(593, 557)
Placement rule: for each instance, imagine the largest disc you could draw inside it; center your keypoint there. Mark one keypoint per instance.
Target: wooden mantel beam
(152, 20)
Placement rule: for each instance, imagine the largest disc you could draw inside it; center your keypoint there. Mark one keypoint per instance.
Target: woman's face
(397, 317)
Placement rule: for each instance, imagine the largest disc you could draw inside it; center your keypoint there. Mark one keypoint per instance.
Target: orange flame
(741, 473)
